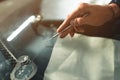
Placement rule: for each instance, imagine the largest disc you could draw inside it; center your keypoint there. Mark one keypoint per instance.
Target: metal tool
(60, 32)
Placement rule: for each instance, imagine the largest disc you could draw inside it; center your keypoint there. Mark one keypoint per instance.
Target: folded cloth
(81, 58)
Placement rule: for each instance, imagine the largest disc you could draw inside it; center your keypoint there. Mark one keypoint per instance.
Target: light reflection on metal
(21, 27)
(38, 18)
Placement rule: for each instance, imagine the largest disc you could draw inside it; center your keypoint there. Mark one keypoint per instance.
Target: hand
(97, 16)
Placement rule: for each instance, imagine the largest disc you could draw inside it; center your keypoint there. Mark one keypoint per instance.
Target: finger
(65, 33)
(66, 22)
(76, 13)
(62, 35)
(72, 33)
(63, 26)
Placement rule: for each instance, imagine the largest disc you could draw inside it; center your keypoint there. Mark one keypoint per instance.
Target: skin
(85, 14)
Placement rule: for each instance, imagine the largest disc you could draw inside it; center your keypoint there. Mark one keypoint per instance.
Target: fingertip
(72, 34)
(62, 36)
(61, 27)
(57, 30)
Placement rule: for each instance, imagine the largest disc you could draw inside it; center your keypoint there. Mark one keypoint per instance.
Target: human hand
(97, 15)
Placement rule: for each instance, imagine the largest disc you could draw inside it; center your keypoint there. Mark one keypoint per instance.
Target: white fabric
(81, 58)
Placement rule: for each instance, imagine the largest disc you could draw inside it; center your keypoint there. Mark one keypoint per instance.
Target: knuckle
(82, 5)
(68, 16)
(78, 21)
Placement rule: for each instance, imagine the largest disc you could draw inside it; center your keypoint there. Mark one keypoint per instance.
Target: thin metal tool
(60, 32)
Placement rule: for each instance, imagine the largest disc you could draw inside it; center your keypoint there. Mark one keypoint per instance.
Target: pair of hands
(85, 14)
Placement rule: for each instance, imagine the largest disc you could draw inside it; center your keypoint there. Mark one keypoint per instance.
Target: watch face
(25, 69)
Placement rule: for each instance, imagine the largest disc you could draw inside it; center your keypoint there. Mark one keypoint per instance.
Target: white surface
(82, 58)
